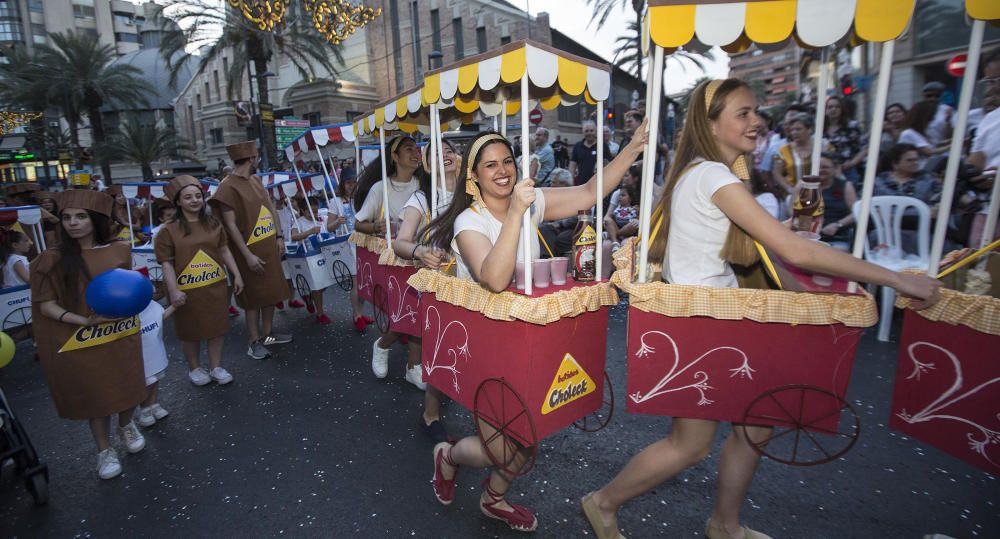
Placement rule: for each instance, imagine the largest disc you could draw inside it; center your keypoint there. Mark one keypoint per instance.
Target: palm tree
(216, 30)
(603, 9)
(78, 74)
(144, 144)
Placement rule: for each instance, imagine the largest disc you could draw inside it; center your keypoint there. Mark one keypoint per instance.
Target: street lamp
(260, 120)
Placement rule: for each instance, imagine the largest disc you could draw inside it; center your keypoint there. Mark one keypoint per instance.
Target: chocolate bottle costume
(201, 275)
(255, 219)
(91, 371)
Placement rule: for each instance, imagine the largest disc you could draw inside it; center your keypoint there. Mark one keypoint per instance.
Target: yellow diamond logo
(201, 271)
(88, 336)
(571, 383)
(264, 227)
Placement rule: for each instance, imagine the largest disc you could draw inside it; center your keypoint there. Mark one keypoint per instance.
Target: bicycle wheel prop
(811, 425)
(598, 419)
(302, 287)
(342, 274)
(505, 427)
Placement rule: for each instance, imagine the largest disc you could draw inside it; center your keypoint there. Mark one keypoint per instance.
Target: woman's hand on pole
(523, 196)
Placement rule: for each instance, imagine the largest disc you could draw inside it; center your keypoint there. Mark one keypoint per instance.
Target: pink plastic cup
(559, 266)
(519, 275)
(812, 236)
(541, 273)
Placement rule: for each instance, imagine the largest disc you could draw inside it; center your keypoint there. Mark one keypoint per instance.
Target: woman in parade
(483, 229)
(401, 166)
(345, 194)
(193, 249)
(713, 221)
(416, 216)
(93, 365)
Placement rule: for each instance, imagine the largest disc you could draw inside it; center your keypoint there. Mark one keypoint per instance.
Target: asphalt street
(310, 444)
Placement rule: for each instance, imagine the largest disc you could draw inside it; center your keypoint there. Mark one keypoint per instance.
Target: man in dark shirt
(583, 160)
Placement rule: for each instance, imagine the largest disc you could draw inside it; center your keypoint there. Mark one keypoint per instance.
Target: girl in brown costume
(191, 247)
(93, 364)
(248, 217)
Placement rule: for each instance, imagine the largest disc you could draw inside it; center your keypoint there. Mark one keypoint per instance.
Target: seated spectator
(905, 177)
(623, 221)
(560, 177)
(839, 197)
(917, 135)
(769, 196)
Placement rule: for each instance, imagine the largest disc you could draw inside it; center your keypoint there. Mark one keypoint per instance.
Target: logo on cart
(201, 271)
(264, 227)
(571, 383)
(90, 336)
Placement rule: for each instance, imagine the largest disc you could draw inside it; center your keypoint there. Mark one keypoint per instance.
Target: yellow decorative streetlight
(266, 14)
(11, 120)
(335, 19)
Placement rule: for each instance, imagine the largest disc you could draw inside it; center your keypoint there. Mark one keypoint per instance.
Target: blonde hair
(697, 141)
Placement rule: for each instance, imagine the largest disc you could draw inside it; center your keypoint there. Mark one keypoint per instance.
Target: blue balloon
(119, 293)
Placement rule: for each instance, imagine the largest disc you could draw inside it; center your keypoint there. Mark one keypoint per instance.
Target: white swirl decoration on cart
(398, 313)
(447, 361)
(698, 381)
(936, 409)
(365, 280)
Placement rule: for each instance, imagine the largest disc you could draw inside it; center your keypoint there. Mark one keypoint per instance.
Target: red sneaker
(519, 518)
(296, 304)
(404, 339)
(280, 305)
(444, 489)
(323, 319)
(361, 324)
(368, 321)
(233, 311)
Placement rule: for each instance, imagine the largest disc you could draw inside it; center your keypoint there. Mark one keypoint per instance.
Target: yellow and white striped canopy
(734, 26)
(404, 112)
(483, 82)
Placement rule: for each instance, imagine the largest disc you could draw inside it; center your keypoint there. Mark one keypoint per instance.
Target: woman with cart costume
(483, 229)
(704, 197)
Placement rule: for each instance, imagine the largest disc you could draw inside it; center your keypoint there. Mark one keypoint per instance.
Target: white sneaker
(221, 376)
(380, 360)
(134, 440)
(107, 464)
(145, 417)
(199, 377)
(158, 411)
(415, 376)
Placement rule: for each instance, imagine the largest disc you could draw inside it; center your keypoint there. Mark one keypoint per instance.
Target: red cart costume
(92, 371)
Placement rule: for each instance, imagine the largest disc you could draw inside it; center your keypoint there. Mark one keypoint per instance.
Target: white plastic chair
(887, 217)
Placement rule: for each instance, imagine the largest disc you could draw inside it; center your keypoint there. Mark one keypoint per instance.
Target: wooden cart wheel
(798, 439)
(17, 318)
(599, 418)
(505, 427)
(380, 302)
(342, 274)
(302, 287)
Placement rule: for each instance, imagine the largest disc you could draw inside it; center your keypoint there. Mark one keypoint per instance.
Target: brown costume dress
(92, 371)
(201, 274)
(119, 223)
(251, 205)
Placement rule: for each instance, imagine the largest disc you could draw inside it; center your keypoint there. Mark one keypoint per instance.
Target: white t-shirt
(481, 220)
(770, 203)
(154, 355)
(305, 223)
(10, 277)
(399, 193)
(987, 139)
(286, 217)
(911, 136)
(937, 129)
(418, 202)
(698, 229)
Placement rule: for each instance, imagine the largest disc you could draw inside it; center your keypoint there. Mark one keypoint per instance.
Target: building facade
(774, 74)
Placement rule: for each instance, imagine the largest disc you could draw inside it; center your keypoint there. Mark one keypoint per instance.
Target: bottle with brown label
(807, 212)
(584, 250)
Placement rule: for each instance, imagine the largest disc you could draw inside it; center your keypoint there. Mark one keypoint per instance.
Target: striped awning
(483, 82)
(318, 137)
(734, 26)
(404, 112)
(143, 189)
(289, 183)
(26, 215)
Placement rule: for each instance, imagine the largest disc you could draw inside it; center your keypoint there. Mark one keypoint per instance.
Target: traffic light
(847, 86)
(610, 117)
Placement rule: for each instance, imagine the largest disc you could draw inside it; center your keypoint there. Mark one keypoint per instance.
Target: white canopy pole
(955, 152)
(820, 120)
(526, 228)
(326, 178)
(991, 216)
(649, 157)
(599, 217)
(440, 158)
(435, 149)
(503, 115)
(357, 157)
(385, 186)
(302, 187)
